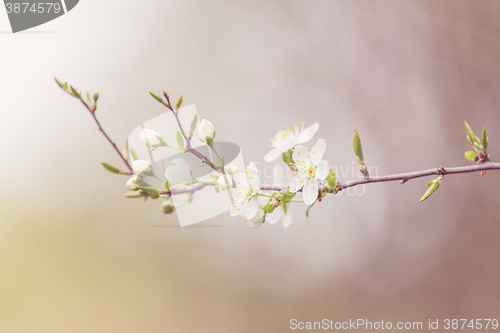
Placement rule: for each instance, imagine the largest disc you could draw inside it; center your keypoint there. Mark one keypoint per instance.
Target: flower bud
(167, 206)
(140, 166)
(151, 139)
(131, 183)
(206, 131)
(232, 170)
(223, 184)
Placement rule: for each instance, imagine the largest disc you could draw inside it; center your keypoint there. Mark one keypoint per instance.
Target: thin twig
(92, 112)
(404, 177)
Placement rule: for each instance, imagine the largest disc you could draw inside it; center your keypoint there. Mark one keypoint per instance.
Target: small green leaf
(134, 154)
(167, 185)
(194, 122)
(309, 208)
(59, 83)
(433, 187)
(180, 139)
(133, 195)
(216, 187)
(470, 134)
(484, 139)
(356, 143)
(288, 159)
(75, 92)
(190, 199)
(215, 177)
(430, 183)
(158, 98)
(125, 152)
(332, 185)
(268, 208)
(222, 161)
(470, 155)
(179, 102)
(286, 196)
(113, 169)
(155, 194)
(477, 145)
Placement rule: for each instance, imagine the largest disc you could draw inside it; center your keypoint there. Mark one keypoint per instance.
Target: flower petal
(279, 176)
(272, 155)
(297, 182)
(274, 217)
(251, 208)
(318, 151)
(322, 170)
(308, 133)
(288, 217)
(310, 191)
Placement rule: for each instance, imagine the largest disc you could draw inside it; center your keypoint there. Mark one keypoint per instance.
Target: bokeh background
(77, 257)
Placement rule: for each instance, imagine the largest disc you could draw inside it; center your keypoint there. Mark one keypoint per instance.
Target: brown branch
(404, 177)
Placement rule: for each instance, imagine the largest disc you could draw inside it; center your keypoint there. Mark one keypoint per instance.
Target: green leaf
(470, 134)
(309, 208)
(134, 154)
(268, 208)
(356, 143)
(179, 102)
(222, 161)
(190, 199)
(133, 195)
(75, 92)
(288, 159)
(430, 183)
(167, 185)
(470, 155)
(216, 187)
(286, 196)
(215, 177)
(125, 152)
(155, 194)
(113, 169)
(194, 122)
(332, 184)
(484, 139)
(158, 98)
(59, 83)
(180, 139)
(433, 187)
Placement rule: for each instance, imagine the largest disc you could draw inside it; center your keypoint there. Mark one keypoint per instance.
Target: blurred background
(75, 256)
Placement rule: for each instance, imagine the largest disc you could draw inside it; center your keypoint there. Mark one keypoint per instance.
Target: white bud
(206, 131)
(232, 170)
(223, 184)
(131, 183)
(151, 139)
(167, 206)
(257, 220)
(140, 165)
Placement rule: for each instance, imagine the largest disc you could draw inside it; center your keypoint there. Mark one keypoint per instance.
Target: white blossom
(231, 170)
(178, 172)
(131, 183)
(140, 165)
(280, 213)
(245, 199)
(206, 131)
(151, 139)
(257, 220)
(288, 139)
(225, 182)
(311, 169)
